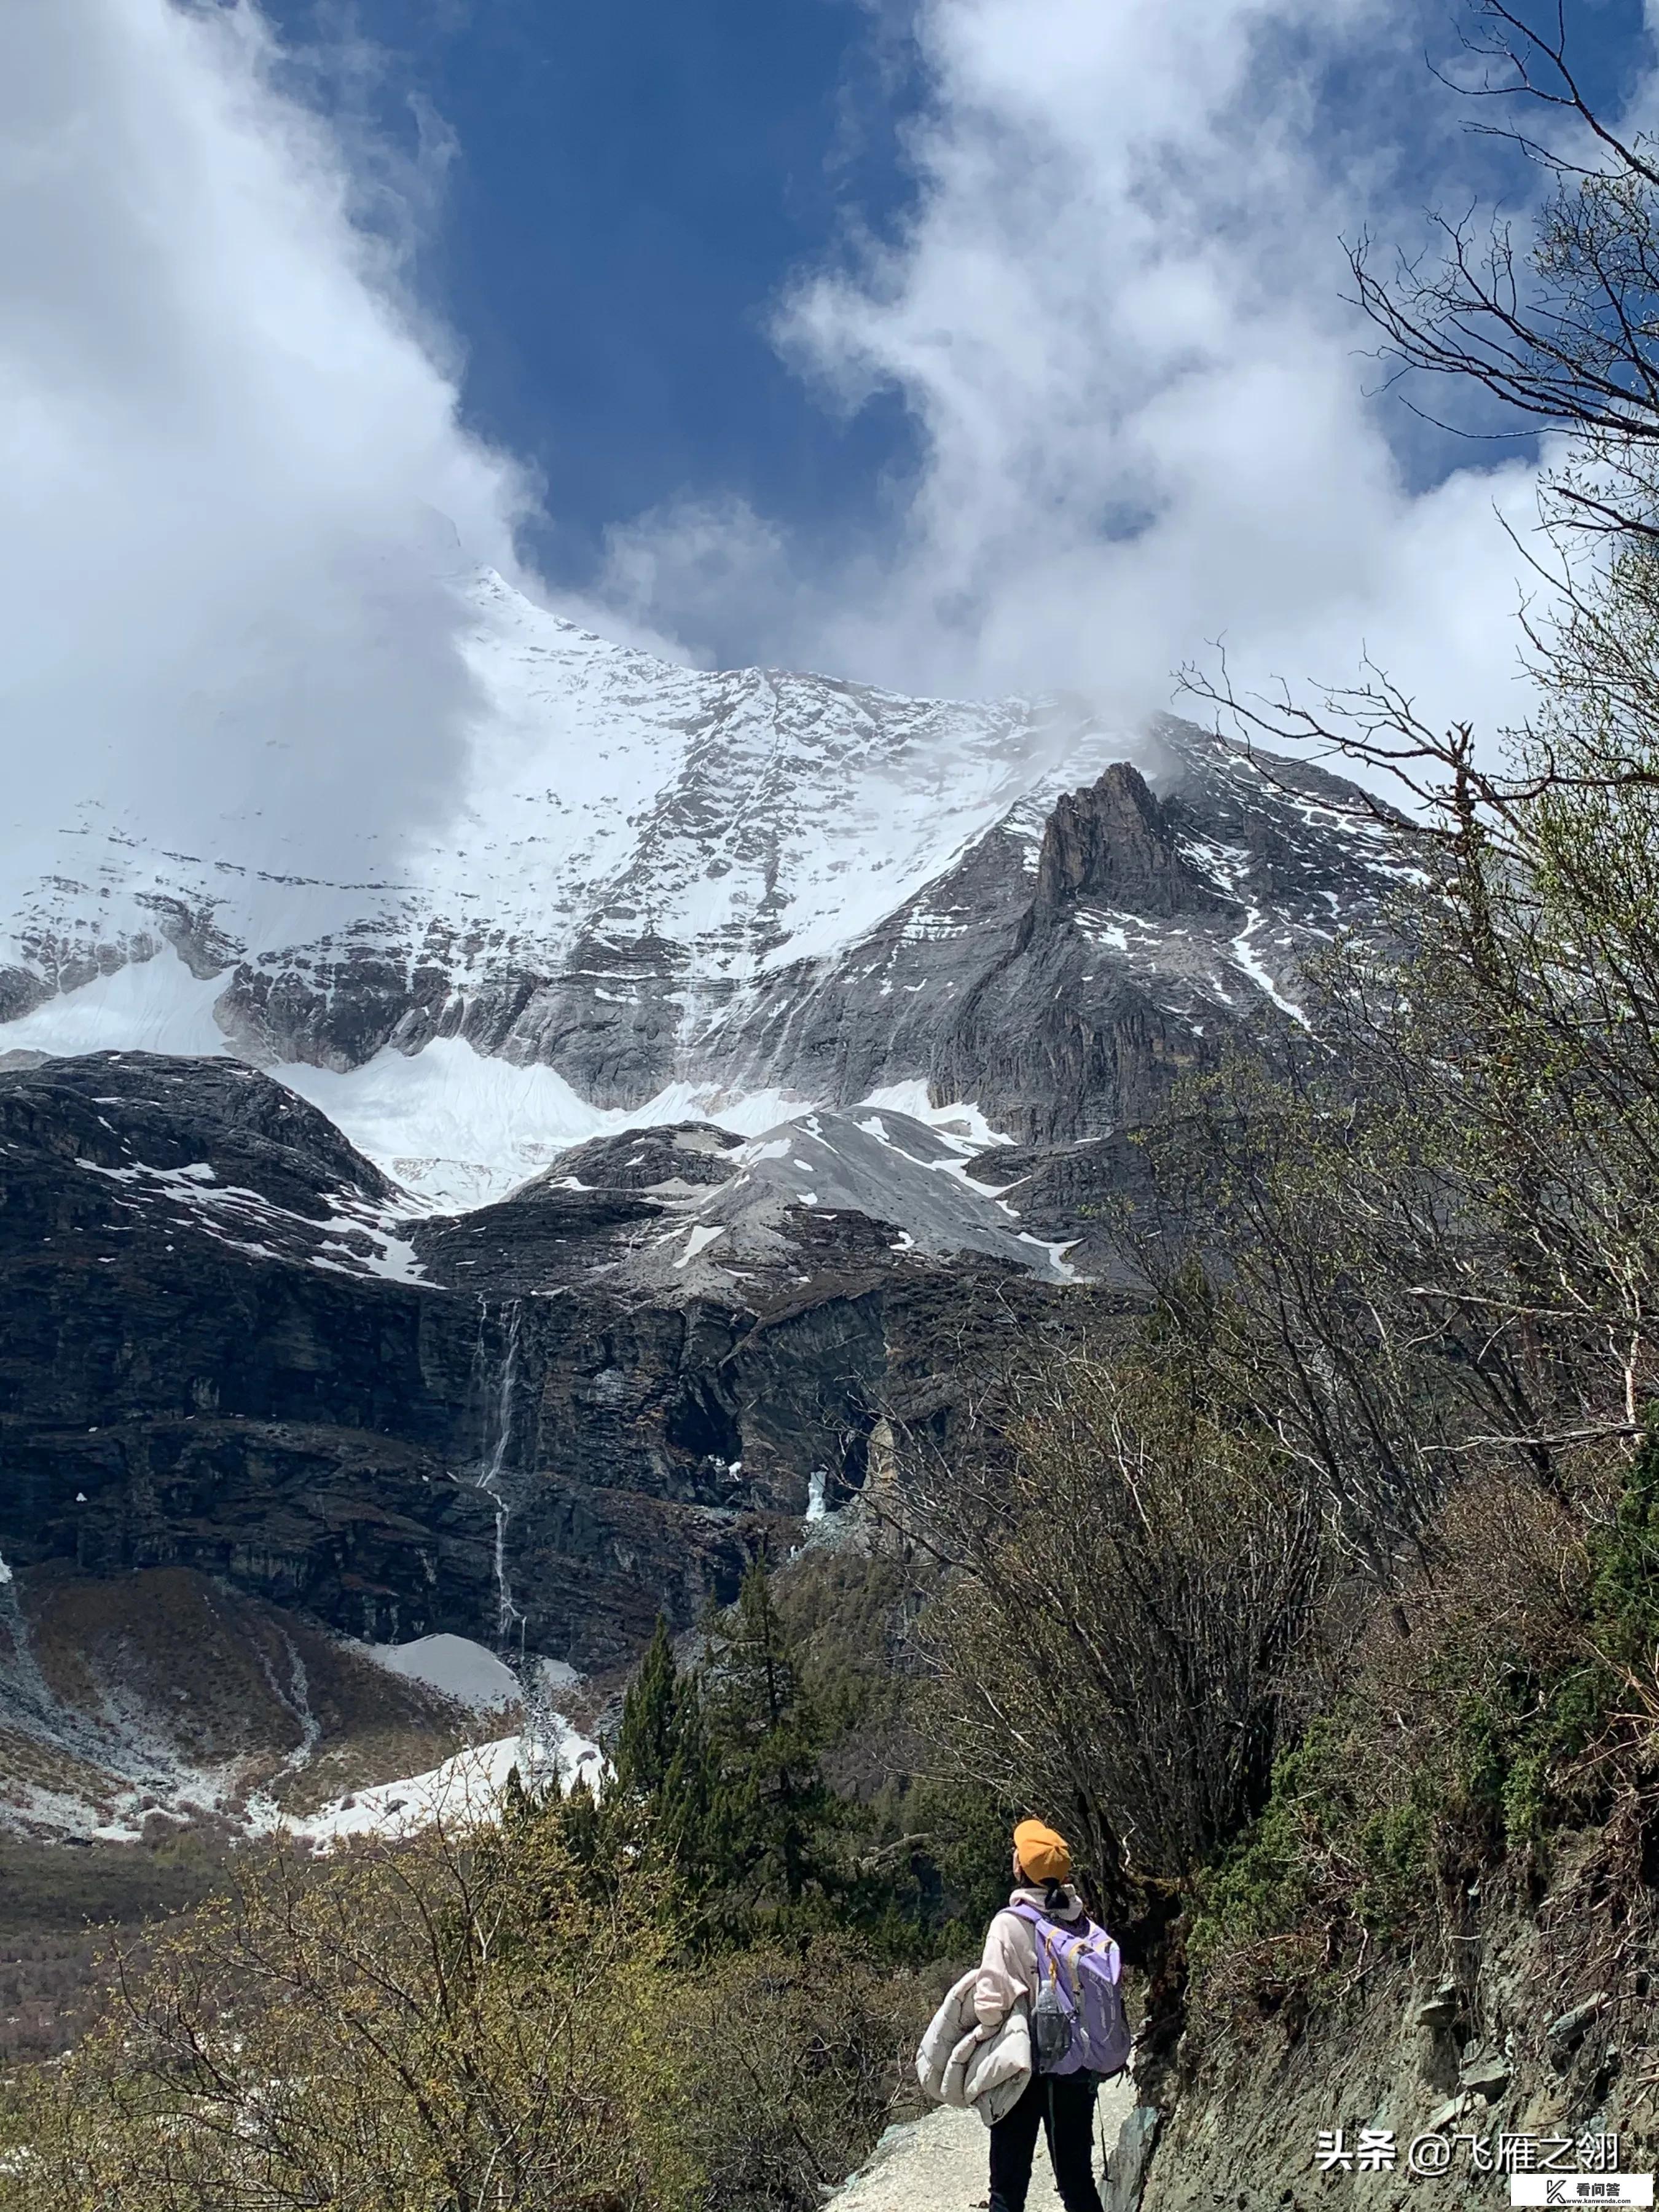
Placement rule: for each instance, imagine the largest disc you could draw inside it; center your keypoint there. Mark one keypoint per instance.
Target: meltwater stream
(551, 1752)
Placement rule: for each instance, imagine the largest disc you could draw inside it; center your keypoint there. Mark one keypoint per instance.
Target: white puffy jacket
(962, 2062)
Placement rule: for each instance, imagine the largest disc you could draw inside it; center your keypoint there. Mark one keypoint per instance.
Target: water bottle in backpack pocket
(1077, 2020)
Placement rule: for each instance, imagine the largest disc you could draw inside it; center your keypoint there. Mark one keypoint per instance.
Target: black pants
(1063, 2105)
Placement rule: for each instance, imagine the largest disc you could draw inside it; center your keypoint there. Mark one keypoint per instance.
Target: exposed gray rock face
(1064, 1192)
(1114, 844)
(685, 1155)
(753, 882)
(1242, 2110)
(877, 1166)
(537, 1425)
(199, 1370)
(691, 1207)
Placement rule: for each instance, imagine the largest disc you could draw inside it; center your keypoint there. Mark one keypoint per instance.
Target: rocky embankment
(1534, 2027)
(1424, 2083)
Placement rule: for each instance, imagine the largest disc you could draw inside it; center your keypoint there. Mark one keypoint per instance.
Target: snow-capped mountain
(617, 811)
(667, 892)
(739, 1070)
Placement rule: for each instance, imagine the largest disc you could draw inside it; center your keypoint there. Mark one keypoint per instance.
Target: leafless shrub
(404, 2025)
(787, 2064)
(1137, 1569)
(464, 2023)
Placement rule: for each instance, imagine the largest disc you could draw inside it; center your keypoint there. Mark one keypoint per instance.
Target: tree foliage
(457, 2022)
(719, 1778)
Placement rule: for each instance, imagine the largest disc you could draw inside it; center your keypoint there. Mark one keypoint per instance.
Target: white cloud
(225, 434)
(1115, 318)
(226, 450)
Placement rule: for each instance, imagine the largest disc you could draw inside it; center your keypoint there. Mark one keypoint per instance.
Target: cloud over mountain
(229, 447)
(1146, 414)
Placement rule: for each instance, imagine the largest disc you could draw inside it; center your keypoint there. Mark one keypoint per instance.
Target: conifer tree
(668, 1787)
(582, 1826)
(768, 1741)
(653, 1716)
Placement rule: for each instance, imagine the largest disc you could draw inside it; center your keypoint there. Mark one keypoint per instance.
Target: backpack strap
(1068, 1948)
(1044, 1928)
(1039, 1918)
(1060, 1931)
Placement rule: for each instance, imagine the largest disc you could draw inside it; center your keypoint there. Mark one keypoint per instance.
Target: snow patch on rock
(148, 1005)
(961, 1121)
(459, 1129)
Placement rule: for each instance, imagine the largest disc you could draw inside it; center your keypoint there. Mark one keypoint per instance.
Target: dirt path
(937, 2164)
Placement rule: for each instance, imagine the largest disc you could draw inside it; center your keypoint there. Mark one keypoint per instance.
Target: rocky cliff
(536, 1425)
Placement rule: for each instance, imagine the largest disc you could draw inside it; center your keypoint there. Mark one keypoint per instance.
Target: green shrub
(453, 2024)
(1514, 1708)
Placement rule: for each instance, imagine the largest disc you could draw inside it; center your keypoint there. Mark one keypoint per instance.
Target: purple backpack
(1078, 2022)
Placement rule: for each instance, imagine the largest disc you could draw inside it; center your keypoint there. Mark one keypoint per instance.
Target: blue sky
(629, 187)
(623, 193)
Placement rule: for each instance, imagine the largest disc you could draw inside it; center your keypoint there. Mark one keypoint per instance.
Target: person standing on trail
(1040, 1937)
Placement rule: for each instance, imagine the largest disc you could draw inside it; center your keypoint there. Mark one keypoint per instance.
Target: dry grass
(62, 1905)
(210, 1684)
(204, 1679)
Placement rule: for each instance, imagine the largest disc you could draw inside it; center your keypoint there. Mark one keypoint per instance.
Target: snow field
(149, 1006)
(456, 1667)
(457, 1129)
(465, 1792)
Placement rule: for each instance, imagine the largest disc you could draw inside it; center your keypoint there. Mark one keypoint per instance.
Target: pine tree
(692, 1811)
(581, 1827)
(667, 1789)
(716, 1773)
(767, 1740)
(652, 1717)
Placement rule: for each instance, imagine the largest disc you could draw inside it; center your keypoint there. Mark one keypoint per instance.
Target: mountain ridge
(732, 895)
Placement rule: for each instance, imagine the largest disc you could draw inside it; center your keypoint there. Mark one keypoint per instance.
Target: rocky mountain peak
(1114, 842)
(668, 893)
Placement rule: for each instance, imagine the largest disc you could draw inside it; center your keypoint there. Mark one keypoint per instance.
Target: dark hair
(1054, 1895)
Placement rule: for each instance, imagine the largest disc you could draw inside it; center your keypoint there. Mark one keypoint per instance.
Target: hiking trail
(939, 2163)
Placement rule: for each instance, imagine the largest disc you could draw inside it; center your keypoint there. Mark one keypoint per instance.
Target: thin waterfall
(492, 1476)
